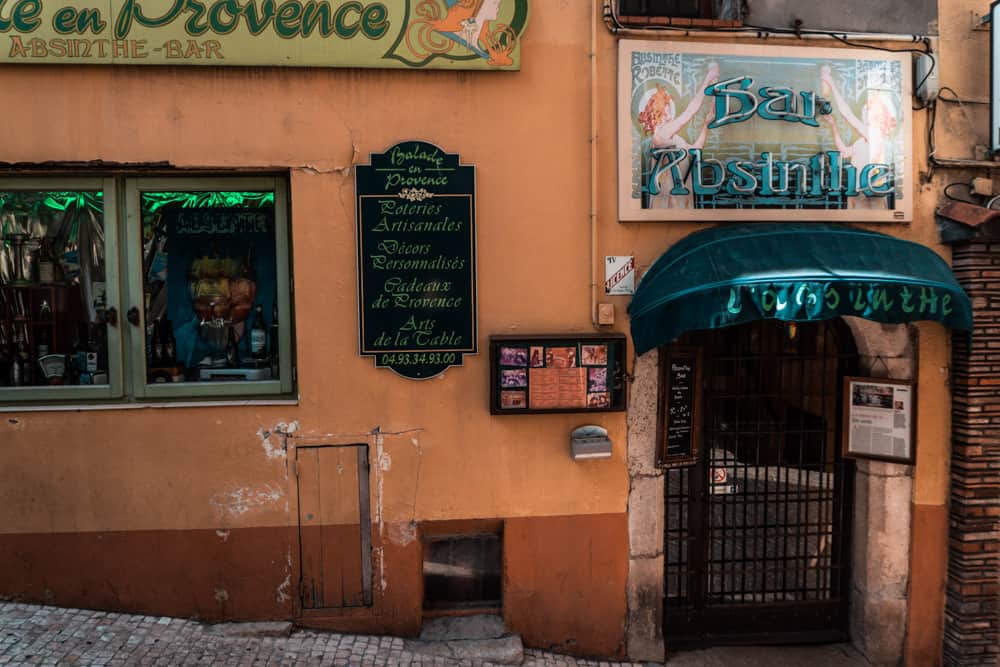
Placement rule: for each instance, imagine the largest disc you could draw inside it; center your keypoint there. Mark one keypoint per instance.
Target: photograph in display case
(557, 374)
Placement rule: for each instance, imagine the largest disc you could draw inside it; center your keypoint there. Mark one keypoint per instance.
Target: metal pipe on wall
(594, 279)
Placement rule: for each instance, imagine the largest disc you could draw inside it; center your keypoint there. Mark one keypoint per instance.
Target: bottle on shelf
(49, 269)
(232, 349)
(44, 341)
(20, 310)
(158, 342)
(5, 356)
(21, 375)
(82, 375)
(45, 311)
(258, 335)
(15, 372)
(97, 349)
(43, 334)
(93, 349)
(169, 344)
(150, 329)
(273, 340)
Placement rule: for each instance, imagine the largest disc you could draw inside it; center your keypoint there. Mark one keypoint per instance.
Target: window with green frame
(184, 294)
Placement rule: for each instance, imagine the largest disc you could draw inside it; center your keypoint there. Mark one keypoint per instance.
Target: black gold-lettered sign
(417, 259)
(679, 407)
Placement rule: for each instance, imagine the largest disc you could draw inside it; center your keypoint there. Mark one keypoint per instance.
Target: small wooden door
(334, 527)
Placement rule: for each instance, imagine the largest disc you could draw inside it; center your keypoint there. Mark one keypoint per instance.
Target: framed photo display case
(879, 415)
(551, 374)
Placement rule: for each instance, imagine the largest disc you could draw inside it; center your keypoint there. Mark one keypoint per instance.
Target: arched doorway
(757, 532)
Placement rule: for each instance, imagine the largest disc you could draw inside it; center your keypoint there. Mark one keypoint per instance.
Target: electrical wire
(956, 99)
(931, 122)
(962, 199)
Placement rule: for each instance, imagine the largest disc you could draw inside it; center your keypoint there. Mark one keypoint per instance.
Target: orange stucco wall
(107, 490)
(195, 499)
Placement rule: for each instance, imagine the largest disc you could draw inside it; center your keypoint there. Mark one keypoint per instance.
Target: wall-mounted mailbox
(590, 442)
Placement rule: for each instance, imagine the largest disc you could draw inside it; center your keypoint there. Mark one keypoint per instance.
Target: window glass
(674, 8)
(53, 289)
(210, 287)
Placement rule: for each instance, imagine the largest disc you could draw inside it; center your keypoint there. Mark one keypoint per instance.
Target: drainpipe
(594, 280)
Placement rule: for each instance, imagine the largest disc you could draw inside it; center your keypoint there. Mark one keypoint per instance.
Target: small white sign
(619, 274)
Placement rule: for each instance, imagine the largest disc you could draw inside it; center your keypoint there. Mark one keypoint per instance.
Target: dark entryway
(757, 532)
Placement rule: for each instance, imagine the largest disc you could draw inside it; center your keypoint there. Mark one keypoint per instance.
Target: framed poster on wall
(878, 419)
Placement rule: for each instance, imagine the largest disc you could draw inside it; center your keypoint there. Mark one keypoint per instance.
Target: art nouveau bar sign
(739, 132)
(439, 34)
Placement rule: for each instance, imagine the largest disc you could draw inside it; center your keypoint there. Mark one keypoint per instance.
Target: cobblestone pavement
(38, 635)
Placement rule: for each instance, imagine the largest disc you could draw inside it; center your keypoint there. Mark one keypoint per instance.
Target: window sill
(84, 407)
(639, 22)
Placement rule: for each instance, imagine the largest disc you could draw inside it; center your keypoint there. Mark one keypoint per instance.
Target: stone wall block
(644, 634)
(878, 628)
(645, 517)
(642, 415)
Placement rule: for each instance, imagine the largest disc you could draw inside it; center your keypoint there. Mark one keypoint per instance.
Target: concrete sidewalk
(40, 635)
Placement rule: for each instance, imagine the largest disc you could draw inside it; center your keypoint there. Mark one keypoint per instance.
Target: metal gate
(757, 532)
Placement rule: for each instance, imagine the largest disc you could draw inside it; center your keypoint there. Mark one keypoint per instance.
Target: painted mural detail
(460, 30)
(450, 34)
(716, 135)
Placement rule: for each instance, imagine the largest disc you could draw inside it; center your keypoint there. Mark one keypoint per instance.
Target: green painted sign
(806, 301)
(439, 34)
(416, 208)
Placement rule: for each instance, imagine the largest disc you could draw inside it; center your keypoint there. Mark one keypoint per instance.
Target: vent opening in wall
(463, 572)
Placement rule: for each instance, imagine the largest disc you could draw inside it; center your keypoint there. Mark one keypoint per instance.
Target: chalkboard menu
(416, 259)
(583, 373)
(679, 406)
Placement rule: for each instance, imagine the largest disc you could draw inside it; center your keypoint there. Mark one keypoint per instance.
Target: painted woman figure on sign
(876, 131)
(661, 123)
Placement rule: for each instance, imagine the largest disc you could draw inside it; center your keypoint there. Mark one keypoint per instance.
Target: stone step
(447, 628)
(506, 650)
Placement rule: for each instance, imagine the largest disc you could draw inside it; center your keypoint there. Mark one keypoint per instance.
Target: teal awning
(732, 274)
